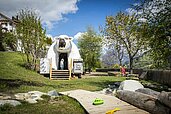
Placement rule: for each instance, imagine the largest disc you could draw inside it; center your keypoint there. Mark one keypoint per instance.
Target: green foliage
(7, 39)
(90, 48)
(144, 62)
(10, 40)
(157, 14)
(49, 41)
(117, 66)
(124, 29)
(32, 36)
(6, 107)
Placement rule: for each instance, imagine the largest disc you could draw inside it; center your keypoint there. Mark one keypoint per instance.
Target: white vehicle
(63, 59)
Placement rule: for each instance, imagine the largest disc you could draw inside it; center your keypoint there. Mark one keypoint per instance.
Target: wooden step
(60, 75)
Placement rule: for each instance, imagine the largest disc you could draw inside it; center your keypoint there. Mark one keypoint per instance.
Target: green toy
(98, 101)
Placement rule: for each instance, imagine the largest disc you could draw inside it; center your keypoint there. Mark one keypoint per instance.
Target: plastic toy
(112, 111)
(98, 101)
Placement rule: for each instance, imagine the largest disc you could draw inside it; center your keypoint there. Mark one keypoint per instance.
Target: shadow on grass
(16, 83)
(10, 84)
(104, 84)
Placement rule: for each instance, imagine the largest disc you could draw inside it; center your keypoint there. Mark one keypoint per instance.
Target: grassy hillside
(15, 78)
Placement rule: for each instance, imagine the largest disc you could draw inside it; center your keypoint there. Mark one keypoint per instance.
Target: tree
(124, 29)
(32, 36)
(10, 40)
(116, 48)
(157, 15)
(109, 58)
(7, 39)
(90, 48)
(1, 39)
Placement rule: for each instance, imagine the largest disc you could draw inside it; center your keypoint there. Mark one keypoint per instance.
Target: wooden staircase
(60, 75)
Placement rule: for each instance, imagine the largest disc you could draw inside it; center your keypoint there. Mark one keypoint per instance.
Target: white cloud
(78, 35)
(49, 10)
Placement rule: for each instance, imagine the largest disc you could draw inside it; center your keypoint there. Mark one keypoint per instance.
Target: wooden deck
(86, 99)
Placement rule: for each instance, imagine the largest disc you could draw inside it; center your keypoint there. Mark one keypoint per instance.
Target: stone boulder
(11, 102)
(130, 85)
(143, 101)
(148, 92)
(165, 98)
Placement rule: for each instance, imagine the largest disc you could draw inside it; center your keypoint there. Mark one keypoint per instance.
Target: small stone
(53, 93)
(32, 101)
(38, 93)
(11, 102)
(5, 97)
(169, 89)
(112, 86)
(21, 96)
(31, 96)
(117, 84)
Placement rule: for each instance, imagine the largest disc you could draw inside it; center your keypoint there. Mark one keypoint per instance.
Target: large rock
(11, 102)
(148, 92)
(165, 98)
(143, 101)
(130, 85)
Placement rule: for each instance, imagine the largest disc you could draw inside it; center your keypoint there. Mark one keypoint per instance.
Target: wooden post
(50, 61)
(70, 68)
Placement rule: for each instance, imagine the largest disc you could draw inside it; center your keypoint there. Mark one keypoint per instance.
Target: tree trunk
(148, 92)
(143, 101)
(28, 60)
(1, 47)
(165, 98)
(1, 40)
(131, 64)
(120, 62)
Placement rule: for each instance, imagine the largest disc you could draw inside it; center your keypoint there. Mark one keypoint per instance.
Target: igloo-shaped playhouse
(63, 59)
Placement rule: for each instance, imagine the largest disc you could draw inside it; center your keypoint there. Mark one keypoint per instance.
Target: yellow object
(112, 111)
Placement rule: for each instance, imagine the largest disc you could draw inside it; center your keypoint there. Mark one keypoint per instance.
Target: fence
(160, 76)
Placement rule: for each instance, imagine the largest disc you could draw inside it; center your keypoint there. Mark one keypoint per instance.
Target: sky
(68, 17)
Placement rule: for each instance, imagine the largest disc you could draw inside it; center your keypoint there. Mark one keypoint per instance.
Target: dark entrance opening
(65, 57)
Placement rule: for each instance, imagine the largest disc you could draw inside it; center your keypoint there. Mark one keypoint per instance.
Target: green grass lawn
(15, 78)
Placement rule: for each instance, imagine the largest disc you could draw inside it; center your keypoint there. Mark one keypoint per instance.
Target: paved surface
(86, 99)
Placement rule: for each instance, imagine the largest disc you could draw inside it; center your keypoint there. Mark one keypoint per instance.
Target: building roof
(5, 18)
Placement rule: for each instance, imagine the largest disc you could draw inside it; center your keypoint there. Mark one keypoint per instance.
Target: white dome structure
(62, 48)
